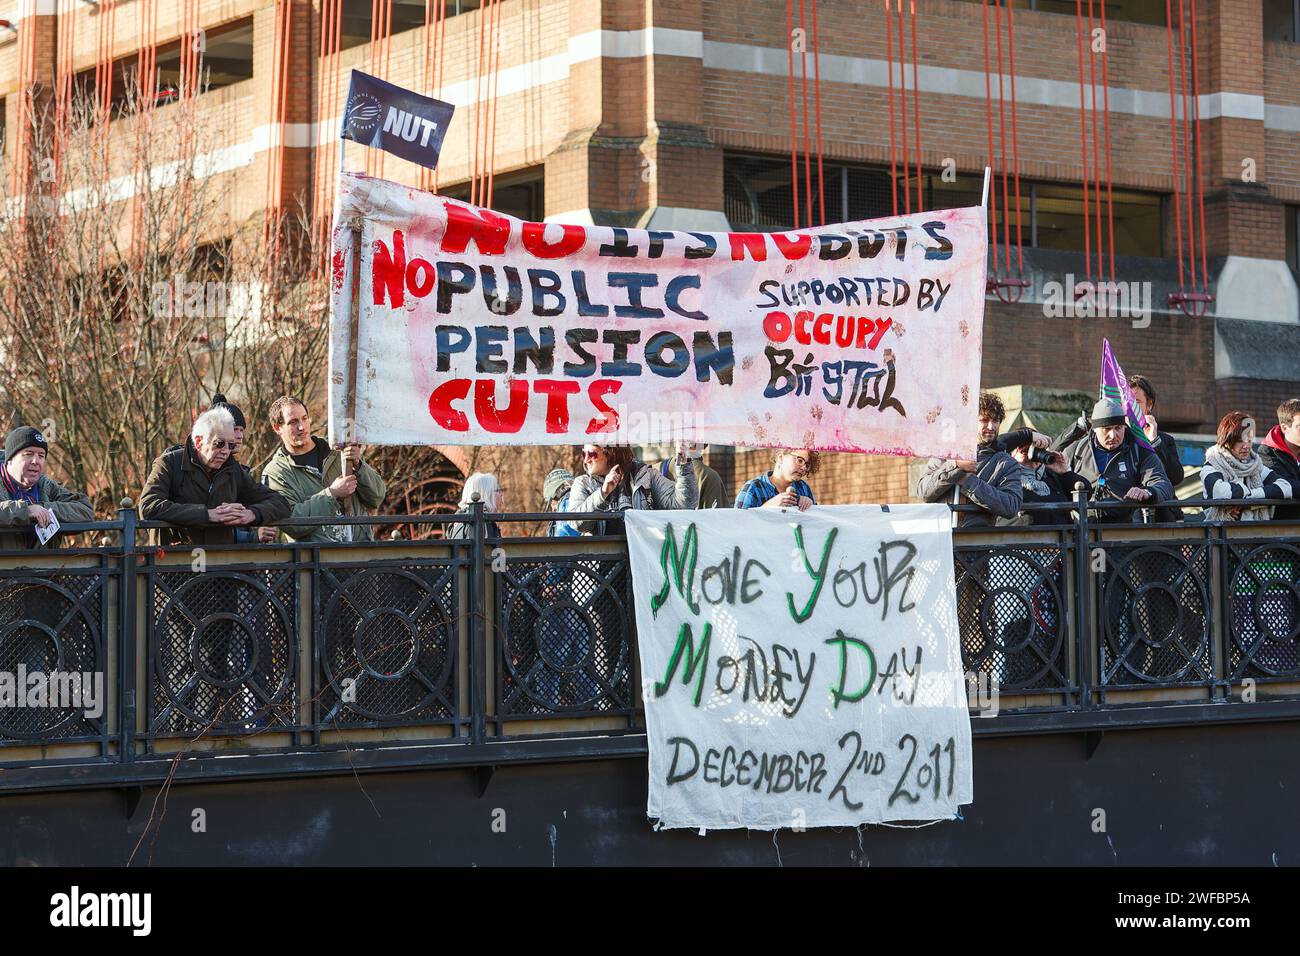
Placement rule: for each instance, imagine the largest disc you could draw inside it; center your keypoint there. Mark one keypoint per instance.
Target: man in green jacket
(309, 474)
(30, 498)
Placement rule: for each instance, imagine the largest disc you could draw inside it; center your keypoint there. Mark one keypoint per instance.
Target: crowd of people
(207, 496)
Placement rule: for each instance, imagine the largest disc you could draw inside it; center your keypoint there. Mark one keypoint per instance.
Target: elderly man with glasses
(202, 491)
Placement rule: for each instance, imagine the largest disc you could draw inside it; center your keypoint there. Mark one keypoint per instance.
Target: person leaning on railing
(1116, 466)
(786, 485)
(991, 481)
(30, 497)
(1280, 450)
(1233, 470)
(487, 490)
(1044, 478)
(309, 474)
(615, 481)
(201, 490)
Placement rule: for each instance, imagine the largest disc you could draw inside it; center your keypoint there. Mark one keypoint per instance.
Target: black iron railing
(493, 648)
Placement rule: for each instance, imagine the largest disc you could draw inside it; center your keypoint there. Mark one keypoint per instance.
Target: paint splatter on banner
(473, 327)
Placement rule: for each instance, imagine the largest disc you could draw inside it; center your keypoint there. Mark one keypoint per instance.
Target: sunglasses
(221, 443)
(594, 453)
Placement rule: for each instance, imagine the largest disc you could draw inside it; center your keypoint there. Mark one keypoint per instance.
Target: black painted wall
(1182, 796)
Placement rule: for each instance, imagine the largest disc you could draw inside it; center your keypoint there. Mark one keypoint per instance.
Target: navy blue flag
(390, 118)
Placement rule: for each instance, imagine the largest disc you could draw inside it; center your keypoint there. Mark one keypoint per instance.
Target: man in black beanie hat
(30, 498)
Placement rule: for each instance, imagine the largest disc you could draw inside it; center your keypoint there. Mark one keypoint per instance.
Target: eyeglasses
(219, 443)
(800, 460)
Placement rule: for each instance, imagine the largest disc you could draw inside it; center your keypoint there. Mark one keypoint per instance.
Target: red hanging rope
(817, 92)
(794, 141)
(803, 79)
(1002, 148)
(1083, 140)
(1096, 140)
(916, 104)
(1200, 195)
(1110, 192)
(1187, 135)
(1015, 140)
(1173, 136)
(988, 126)
(902, 89)
(478, 111)
(889, 67)
(496, 75)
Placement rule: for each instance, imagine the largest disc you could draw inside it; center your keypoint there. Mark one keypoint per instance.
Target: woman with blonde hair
(490, 492)
(1233, 470)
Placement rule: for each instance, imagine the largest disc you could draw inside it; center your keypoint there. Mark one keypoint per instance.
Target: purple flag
(1114, 385)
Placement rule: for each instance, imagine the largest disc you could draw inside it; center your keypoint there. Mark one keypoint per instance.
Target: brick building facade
(665, 113)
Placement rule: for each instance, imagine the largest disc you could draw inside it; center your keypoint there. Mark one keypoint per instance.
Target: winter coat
(1277, 456)
(1131, 467)
(68, 506)
(642, 488)
(1222, 485)
(308, 494)
(180, 491)
(995, 487)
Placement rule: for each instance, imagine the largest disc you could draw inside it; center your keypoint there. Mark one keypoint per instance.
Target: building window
(355, 29)
(757, 198)
(1282, 20)
(226, 59)
(520, 194)
(1132, 11)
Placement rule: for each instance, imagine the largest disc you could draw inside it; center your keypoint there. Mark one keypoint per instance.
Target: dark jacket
(1278, 457)
(1040, 485)
(1131, 467)
(995, 487)
(69, 507)
(1164, 445)
(184, 499)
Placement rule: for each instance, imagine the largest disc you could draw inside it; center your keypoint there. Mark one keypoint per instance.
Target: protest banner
(452, 324)
(800, 669)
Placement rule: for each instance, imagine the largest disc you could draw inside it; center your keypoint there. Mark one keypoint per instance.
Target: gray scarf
(1249, 473)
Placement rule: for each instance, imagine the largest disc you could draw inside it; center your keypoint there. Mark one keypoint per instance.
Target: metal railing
(284, 659)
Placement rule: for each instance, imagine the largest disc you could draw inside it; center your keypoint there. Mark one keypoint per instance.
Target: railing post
(1084, 645)
(477, 628)
(127, 630)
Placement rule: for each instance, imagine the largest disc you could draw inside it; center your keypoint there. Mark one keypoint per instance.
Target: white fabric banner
(800, 669)
(472, 327)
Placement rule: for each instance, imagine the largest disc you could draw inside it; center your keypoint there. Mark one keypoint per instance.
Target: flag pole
(984, 199)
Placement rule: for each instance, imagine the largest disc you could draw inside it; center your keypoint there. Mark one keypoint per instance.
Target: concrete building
(679, 115)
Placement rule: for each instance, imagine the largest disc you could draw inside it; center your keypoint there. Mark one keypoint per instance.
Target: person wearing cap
(242, 535)
(309, 473)
(713, 494)
(555, 497)
(31, 498)
(203, 492)
(1118, 468)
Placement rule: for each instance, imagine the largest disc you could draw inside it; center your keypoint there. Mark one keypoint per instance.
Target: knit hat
(555, 482)
(219, 401)
(24, 436)
(1107, 411)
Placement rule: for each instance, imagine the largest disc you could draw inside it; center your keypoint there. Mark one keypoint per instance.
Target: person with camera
(1116, 466)
(991, 481)
(1045, 477)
